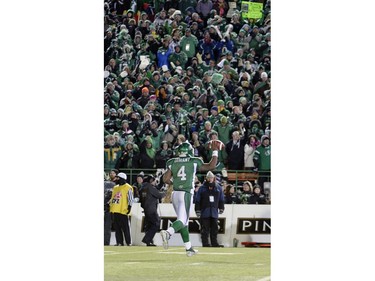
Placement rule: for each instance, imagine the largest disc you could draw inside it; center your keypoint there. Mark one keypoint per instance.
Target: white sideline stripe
(200, 253)
(137, 252)
(113, 253)
(268, 278)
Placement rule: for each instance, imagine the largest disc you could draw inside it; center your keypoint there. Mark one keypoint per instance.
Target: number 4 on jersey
(181, 173)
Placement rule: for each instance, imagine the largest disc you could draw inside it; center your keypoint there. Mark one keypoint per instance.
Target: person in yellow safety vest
(120, 206)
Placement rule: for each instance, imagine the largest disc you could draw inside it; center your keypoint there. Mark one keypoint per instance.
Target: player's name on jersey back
(182, 160)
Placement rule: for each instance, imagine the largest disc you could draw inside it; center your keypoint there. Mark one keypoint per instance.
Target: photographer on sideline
(209, 203)
(108, 188)
(149, 197)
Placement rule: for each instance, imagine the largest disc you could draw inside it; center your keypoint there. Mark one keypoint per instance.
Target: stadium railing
(235, 177)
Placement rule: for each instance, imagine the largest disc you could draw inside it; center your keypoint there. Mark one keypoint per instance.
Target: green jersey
(183, 171)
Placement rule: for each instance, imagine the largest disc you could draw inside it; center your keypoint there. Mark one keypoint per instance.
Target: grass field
(154, 263)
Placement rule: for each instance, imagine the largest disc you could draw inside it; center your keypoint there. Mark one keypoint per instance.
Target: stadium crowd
(187, 70)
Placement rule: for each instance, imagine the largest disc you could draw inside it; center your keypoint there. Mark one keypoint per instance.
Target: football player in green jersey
(181, 173)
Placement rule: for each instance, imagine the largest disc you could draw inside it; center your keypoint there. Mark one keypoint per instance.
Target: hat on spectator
(190, 9)
(210, 175)
(196, 88)
(217, 78)
(220, 102)
(145, 90)
(141, 174)
(165, 68)
(256, 186)
(177, 12)
(263, 138)
(149, 178)
(122, 175)
(242, 99)
(214, 108)
(223, 120)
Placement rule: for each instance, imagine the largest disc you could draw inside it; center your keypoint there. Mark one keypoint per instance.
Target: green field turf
(154, 263)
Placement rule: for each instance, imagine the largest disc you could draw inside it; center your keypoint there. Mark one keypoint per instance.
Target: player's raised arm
(215, 145)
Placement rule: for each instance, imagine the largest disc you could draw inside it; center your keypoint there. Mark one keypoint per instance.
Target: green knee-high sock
(185, 234)
(177, 225)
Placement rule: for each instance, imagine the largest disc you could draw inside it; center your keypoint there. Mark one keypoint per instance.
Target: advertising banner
(244, 223)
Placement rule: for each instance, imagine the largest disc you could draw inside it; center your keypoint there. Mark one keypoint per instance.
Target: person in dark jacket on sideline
(209, 203)
(108, 188)
(150, 197)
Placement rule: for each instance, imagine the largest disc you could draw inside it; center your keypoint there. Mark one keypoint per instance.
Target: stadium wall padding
(246, 223)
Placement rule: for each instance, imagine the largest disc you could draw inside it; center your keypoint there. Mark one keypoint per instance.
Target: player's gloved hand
(221, 211)
(129, 209)
(198, 213)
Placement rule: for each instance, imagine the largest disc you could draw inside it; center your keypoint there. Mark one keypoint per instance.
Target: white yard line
(267, 278)
(108, 253)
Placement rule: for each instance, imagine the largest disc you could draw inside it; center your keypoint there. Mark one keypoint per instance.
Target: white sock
(187, 245)
(170, 230)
